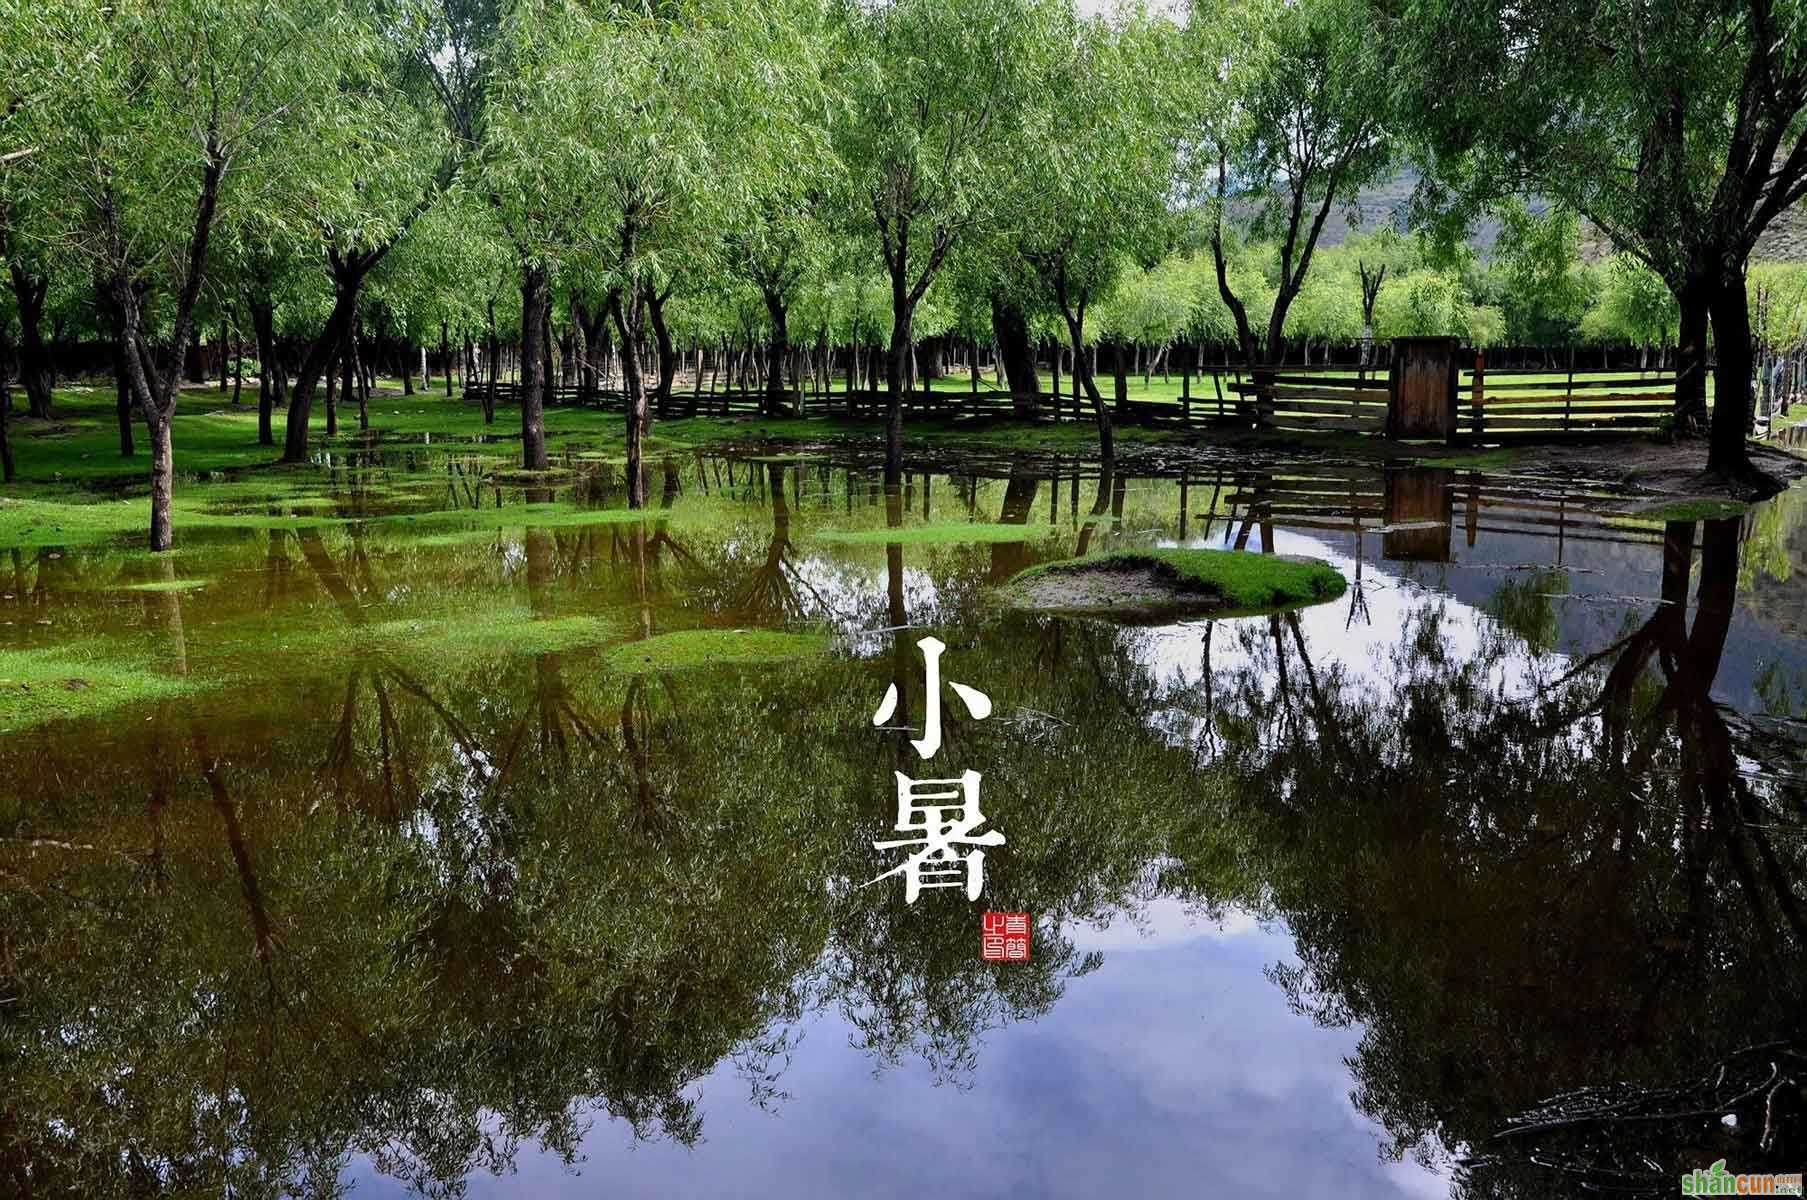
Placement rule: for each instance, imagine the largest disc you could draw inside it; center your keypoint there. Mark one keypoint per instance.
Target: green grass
(692, 648)
(1697, 509)
(62, 682)
(1237, 580)
(1479, 460)
(483, 633)
(938, 533)
(168, 585)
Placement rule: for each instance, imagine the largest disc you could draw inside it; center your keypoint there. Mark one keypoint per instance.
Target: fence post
(1478, 398)
(1568, 401)
(1264, 398)
(1186, 394)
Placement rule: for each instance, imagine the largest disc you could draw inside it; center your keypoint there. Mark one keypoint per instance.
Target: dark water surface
(396, 866)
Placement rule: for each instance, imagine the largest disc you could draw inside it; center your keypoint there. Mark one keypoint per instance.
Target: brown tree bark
(536, 295)
(29, 291)
(263, 325)
(773, 403)
(664, 349)
(1726, 452)
(1011, 329)
(625, 305)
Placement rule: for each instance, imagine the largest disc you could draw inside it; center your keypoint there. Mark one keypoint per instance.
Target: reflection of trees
(273, 974)
(1523, 877)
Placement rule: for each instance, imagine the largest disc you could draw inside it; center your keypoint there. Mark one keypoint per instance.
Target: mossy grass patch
(167, 585)
(37, 686)
(690, 648)
(1696, 508)
(1151, 584)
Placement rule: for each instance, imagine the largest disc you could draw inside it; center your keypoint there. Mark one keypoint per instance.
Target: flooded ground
(441, 834)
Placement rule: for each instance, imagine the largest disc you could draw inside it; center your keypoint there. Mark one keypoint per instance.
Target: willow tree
(1096, 167)
(414, 117)
(1290, 120)
(1677, 127)
(933, 94)
(152, 120)
(617, 138)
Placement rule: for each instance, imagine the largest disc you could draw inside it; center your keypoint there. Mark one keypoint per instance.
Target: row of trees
(632, 173)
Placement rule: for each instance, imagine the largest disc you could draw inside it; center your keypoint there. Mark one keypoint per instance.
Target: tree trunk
(625, 306)
(1726, 452)
(1120, 375)
(163, 478)
(667, 354)
(354, 379)
(408, 369)
(1693, 299)
(332, 384)
(902, 313)
(779, 313)
(348, 280)
(263, 326)
(34, 358)
(1082, 370)
(122, 386)
(535, 298)
(1011, 329)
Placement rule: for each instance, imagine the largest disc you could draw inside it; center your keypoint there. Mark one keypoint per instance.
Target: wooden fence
(1352, 403)
(1497, 406)
(1492, 406)
(1507, 405)
(860, 402)
(964, 404)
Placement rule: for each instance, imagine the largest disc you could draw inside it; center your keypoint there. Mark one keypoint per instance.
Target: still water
(414, 842)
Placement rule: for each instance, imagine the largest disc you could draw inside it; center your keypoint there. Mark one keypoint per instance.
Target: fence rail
(1577, 404)
(1520, 407)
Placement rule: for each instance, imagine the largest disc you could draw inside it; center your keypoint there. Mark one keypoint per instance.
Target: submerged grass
(40, 685)
(690, 648)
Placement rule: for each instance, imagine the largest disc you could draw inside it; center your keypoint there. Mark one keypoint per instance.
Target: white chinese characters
(942, 815)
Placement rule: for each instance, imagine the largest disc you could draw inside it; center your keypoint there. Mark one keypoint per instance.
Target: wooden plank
(1593, 404)
(1352, 424)
(1336, 408)
(1560, 388)
(1341, 395)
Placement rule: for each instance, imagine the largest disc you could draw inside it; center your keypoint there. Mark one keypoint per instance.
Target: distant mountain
(1390, 203)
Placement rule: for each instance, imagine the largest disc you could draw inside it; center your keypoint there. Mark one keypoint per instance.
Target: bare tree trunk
(1017, 355)
(535, 297)
(1726, 452)
(34, 359)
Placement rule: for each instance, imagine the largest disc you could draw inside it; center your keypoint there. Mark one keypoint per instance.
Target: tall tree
(416, 123)
(1095, 168)
(1291, 121)
(934, 92)
(1678, 127)
(154, 116)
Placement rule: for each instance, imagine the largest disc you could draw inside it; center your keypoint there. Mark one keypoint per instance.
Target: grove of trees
(783, 192)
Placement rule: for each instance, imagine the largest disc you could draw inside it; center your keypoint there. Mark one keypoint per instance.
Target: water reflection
(416, 902)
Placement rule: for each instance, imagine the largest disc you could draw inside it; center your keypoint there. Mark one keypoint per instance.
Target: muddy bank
(1670, 470)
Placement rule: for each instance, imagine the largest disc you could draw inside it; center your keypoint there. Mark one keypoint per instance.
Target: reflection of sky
(1176, 1069)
